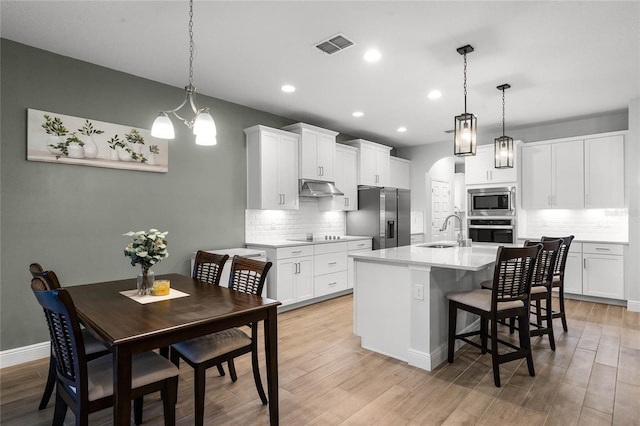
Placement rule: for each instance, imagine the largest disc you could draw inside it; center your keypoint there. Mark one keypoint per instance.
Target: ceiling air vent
(334, 44)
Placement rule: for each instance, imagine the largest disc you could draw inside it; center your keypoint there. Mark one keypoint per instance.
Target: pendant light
(503, 146)
(202, 124)
(465, 125)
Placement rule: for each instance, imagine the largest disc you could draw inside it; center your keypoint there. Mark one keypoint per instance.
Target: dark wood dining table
(128, 327)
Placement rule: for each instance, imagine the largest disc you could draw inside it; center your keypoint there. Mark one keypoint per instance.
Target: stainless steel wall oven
(500, 231)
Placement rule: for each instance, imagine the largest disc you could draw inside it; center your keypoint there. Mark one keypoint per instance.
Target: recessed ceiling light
(357, 113)
(434, 94)
(287, 88)
(372, 55)
(402, 129)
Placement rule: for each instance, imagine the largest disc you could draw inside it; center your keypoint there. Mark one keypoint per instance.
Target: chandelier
(202, 124)
(465, 125)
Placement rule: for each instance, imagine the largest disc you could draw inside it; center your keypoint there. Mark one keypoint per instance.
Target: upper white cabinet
(346, 174)
(373, 162)
(317, 151)
(572, 174)
(604, 172)
(552, 176)
(399, 173)
(480, 168)
(272, 169)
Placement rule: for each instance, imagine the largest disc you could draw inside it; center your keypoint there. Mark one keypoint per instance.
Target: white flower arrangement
(146, 248)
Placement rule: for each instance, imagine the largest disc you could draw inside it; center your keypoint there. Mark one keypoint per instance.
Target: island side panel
(382, 307)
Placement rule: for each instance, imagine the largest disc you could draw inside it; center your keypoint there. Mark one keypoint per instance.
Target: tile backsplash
(265, 225)
(588, 224)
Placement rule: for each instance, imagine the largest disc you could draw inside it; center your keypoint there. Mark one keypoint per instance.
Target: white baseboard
(430, 361)
(633, 305)
(24, 354)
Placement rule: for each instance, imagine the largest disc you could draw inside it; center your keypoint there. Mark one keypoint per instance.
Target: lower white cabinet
(603, 270)
(330, 266)
(573, 270)
(354, 247)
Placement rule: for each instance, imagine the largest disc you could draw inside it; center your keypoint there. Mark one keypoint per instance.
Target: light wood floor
(325, 377)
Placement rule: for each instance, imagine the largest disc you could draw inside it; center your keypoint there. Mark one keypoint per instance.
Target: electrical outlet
(418, 292)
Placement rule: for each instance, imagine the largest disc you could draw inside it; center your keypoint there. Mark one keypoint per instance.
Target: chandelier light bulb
(206, 140)
(204, 125)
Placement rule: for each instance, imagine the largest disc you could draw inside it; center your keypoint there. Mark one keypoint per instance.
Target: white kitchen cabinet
(317, 151)
(399, 173)
(373, 162)
(480, 168)
(604, 172)
(573, 270)
(603, 270)
(355, 247)
(330, 268)
(294, 280)
(553, 175)
(272, 169)
(346, 174)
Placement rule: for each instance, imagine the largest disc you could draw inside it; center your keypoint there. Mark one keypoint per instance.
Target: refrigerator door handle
(391, 228)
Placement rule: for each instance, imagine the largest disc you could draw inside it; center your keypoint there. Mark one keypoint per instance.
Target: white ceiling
(563, 59)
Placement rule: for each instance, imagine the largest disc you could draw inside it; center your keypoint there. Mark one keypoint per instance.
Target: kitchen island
(400, 308)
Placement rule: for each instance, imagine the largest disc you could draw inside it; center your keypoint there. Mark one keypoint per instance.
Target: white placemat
(133, 295)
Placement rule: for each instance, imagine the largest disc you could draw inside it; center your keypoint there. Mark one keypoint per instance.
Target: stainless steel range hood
(316, 188)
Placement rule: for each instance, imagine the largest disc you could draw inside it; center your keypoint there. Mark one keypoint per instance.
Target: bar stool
(508, 298)
(558, 276)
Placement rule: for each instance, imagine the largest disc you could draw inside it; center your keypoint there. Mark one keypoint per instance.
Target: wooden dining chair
(541, 288)
(247, 276)
(558, 276)
(93, 348)
(87, 386)
(208, 266)
(508, 298)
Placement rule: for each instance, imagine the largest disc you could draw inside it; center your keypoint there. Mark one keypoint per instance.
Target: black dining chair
(508, 298)
(93, 348)
(87, 386)
(247, 276)
(558, 276)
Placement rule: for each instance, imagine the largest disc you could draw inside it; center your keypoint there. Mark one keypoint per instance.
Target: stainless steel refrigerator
(384, 214)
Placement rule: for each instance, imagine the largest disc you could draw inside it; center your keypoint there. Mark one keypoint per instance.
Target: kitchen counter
(581, 240)
(462, 258)
(293, 243)
(400, 298)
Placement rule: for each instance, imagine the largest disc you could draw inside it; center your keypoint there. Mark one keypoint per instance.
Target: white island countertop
(463, 258)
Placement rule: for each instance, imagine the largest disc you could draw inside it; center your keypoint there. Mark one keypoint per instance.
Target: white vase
(124, 155)
(75, 150)
(54, 140)
(90, 147)
(135, 147)
(114, 155)
(151, 159)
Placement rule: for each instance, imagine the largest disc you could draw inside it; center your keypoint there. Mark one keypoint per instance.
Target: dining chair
(508, 298)
(541, 288)
(93, 348)
(558, 276)
(246, 276)
(86, 386)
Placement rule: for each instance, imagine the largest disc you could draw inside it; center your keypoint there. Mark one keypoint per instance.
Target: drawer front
(330, 247)
(329, 263)
(615, 249)
(330, 283)
(360, 245)
(296, 251)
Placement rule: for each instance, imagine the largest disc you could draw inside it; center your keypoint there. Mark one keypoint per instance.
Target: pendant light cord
(191, 43)
(465, 83)
(503, 133)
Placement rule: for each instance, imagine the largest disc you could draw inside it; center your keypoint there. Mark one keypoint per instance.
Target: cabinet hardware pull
(361, 245)
(585, 263)
(602, 248)
(284, 199)
(332, 263)
(549, 203)
(333, 283)
(296, 251)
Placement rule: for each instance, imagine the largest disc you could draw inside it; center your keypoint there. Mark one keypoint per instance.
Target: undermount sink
(438, 245)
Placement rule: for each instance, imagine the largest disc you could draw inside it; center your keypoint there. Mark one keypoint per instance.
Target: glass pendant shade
(204, 125)
(206, 140)
(465, 131)
(503, 150)
(162, 127)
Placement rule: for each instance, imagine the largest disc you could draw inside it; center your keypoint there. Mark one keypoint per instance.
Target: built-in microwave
(500, 231)
(492, 201)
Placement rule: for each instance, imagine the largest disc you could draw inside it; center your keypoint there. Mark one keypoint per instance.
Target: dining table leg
(271, 355)
(122, 386)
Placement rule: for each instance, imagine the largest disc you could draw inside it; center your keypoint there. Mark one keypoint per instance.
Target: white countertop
(465, 258)
(580, 240)
(291, 243)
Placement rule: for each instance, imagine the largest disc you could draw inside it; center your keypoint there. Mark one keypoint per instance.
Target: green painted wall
(71, 218)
